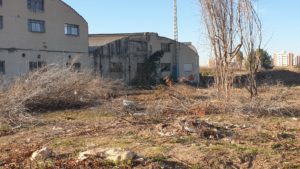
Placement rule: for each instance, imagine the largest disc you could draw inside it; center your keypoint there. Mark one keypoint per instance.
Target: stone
(115, 155)
(42, 154)
(118, 155)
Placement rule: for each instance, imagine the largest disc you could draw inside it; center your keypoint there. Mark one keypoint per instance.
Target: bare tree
(231, 24)
(251, 36)
(220, 18)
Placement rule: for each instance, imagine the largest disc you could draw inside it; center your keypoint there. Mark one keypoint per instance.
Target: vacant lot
(177, 127)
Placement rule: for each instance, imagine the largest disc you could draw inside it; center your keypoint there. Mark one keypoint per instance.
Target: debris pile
(194, 126)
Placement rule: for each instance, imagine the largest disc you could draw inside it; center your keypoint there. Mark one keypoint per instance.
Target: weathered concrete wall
(135, 48)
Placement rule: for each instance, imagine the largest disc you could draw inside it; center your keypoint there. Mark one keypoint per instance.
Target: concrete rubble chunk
(42, 154)
(114, 155)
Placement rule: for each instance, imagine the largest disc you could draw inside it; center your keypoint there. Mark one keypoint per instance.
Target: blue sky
(281, 21)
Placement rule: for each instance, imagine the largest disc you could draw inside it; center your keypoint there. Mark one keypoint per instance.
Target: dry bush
(273, 101)
(53, 88)
(169, 102)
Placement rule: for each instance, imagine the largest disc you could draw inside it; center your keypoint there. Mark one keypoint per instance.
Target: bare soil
(205, 138)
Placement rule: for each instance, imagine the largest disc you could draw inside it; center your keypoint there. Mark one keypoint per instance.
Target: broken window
(115, 67)
(142, 46)
(36, 65)
(138, 46)
(2, 67)
(35, 5)
(71, 29)
(166, 47)
(1, 22)
(165, 67)
(36, 26)
(76, 66)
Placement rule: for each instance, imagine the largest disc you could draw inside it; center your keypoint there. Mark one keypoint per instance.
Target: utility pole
(175, 32)
(175, 22)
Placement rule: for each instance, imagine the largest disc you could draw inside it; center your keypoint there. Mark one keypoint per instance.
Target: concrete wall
(130, 54)
(53, 46)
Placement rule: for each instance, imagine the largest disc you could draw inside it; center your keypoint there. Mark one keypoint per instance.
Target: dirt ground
(237, 137)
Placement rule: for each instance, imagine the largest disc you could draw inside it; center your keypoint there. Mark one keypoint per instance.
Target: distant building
(234, 64)
(34, 33)
(121, 56)
(285, 59)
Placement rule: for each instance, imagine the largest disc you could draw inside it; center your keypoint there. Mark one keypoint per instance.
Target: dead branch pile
(166, 103)
(274, 101)
(53, 88)
(262, 107)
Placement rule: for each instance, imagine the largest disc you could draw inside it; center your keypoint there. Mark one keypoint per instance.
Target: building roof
(121, 34)
(103, 40)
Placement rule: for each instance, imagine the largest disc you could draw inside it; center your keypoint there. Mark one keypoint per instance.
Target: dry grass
(53, 88)
(254, 140)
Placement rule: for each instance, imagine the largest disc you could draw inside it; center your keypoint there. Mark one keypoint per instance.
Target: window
(165, 47)
(142, 46)
(71, 29)
(1, 22)
(36, 65)
(35, 5)
(76, 66)
(115, 67)
(2, 67)
(36, 26)
(165, 67)
(188, 67)
(0, 2)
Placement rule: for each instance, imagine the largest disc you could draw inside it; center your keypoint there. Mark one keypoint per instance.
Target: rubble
(115, 155)
(192, 125)
(42, 154)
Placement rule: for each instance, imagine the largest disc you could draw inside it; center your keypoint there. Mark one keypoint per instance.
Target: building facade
(34, 33)
(122, 56)
(286, 59)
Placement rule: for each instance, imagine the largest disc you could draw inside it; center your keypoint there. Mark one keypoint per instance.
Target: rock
(84, 155)
(114, 155)
(42, 154)
(117, 155)
(140, 114)
(165, 130)
(128, 103)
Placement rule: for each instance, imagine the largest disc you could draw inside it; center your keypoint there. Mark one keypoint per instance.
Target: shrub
(53, 88)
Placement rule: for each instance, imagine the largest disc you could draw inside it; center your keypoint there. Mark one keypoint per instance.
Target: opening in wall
(165, 67)
(2, 67)
(1, 22)
(115, 67)
(36, 65)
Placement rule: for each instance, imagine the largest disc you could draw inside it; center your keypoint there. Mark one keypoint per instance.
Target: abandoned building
(34, 33)
(38, 32)
(124, 56)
